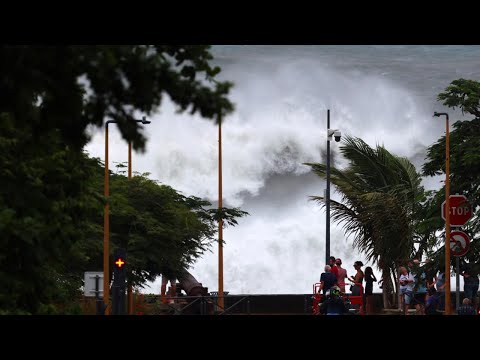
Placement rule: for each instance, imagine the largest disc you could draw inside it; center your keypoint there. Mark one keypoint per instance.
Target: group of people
(426, 291)
(418, 287)
(335, 276)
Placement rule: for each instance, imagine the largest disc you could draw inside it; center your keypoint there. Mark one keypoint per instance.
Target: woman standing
(358, 279)
(369, 279)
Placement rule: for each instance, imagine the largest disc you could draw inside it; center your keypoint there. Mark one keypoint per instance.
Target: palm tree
(379, 195)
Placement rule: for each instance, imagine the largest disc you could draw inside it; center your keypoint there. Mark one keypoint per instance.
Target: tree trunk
(386, 288)
(396, 292)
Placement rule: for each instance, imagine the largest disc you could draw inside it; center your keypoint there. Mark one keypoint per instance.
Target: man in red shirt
(334, 269)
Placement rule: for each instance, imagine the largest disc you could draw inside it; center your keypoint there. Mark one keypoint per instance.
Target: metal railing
(241, 304)
(205, 305)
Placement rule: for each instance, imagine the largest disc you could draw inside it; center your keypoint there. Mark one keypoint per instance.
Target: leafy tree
(49, 97)
(43, 203)
(162, 230)
(380, 195)
(464, 160)
(69, 87)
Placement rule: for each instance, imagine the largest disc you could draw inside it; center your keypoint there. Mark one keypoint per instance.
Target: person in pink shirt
(342, 275)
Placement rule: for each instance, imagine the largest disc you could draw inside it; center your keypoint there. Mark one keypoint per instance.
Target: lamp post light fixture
(106, 217)
(447, 214)
(336, 134)
(144, 121)
(221, 303)
(106, 229)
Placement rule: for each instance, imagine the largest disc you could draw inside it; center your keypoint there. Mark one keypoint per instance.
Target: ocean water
(382, 94)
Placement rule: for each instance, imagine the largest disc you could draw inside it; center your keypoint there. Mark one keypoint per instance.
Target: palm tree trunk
(397, 299)
(387, 287)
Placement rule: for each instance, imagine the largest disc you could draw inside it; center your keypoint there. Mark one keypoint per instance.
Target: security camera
(337, 135)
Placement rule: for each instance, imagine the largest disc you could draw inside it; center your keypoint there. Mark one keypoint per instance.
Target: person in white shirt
(407, 282)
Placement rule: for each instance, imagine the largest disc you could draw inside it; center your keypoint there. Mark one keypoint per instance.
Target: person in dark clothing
(327, 280)
(369, 279)
(433, 302)
(470, 284)
(466, 308)
(334, 304)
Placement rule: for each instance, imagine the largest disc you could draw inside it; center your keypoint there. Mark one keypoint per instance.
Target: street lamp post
(337, 135)
(220, 221)
(447, 215)
(327, 193)
(106, 229)
(144, 121)
(106, 221)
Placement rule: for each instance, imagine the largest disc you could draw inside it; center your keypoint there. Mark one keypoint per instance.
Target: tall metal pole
(447, 217)
(106, 232)
(327, 194)
(457, 283)
(447, 227)
(220, 222)
(129, 288)
(144, 121)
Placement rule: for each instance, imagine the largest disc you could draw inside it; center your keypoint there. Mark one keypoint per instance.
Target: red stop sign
(460, 210)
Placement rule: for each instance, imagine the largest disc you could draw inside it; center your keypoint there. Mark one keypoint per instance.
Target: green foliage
(162, 230)
(43, 205)
(69, 87)
(50, 192)
(464, 94)
(464, 164)
(464, 159)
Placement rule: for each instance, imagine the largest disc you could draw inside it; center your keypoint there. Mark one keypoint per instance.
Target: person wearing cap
(342, 275)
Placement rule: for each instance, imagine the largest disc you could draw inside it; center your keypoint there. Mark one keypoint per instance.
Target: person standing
(332, 263)
(369, 279)
(406, 288)
(327, 280)
(470, 284)
(357, 279)
(342, 275)
(440, 285)
(420, 291)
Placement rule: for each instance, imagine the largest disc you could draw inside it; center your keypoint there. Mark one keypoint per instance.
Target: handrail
(185, 307)
(235, 304)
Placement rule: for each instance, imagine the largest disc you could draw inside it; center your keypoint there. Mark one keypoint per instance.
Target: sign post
(456, 211)
(457, 287)
(93, 282)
